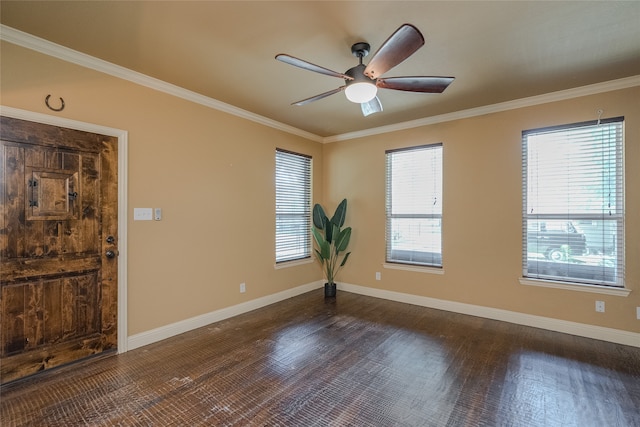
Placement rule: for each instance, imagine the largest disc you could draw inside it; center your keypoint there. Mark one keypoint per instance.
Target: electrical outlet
(243, 288)
(600, 306)
(378, 276)
(638, 313)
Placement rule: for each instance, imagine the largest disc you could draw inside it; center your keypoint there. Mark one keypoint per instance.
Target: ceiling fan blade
(401, 45)
(317, 97)
(288, 59)
(370, 107)
(416, 84)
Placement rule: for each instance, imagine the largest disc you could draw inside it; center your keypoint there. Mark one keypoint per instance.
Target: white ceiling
(498, 51)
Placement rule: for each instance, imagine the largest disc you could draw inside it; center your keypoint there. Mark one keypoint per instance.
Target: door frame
(122, 136)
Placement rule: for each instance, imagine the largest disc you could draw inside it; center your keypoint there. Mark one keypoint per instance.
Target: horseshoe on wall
(46, 101)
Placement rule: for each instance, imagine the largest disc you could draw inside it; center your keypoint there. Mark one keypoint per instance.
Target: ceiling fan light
(361, 92)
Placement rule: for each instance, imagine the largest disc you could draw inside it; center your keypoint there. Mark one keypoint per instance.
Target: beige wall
(212, 173)
(482, 211)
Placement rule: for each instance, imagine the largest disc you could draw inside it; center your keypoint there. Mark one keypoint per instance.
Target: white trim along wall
(177, 328)
(572, 328)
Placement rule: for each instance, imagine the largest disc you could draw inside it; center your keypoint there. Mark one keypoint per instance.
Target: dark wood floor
(352, 361)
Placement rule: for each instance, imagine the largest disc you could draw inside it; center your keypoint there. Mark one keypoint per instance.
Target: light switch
(157, 214)
(142, 214)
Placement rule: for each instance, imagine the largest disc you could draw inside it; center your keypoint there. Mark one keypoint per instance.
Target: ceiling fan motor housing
(358, 75)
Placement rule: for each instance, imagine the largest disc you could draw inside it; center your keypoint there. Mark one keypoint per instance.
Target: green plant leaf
(318, 216)
(335, 233)
(342, 241)
(325, 250)
(344, 260)
(323, 246)
(340, 214)
(328, 229)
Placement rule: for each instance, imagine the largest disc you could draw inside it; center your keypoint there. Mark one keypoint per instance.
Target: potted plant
(331, 240)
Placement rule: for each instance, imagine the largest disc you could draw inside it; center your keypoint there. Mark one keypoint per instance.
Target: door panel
(58, 203)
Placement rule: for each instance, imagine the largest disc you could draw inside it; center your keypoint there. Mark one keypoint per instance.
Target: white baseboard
(164, 332)
(573, 328)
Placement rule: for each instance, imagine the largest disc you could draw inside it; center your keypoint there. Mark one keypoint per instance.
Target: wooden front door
(58, 246)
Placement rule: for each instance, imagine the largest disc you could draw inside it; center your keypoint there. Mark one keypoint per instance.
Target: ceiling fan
(362, 82)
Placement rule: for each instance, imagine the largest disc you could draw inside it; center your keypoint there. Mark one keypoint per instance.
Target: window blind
(293, 206)
(573, 203)
(414, 205)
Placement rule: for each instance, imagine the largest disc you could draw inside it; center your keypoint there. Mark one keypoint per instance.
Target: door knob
(110, 254)
(111, 239)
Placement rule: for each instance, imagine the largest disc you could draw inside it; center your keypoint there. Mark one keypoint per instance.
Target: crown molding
(562, 95)
(46, 47)
(20, 38)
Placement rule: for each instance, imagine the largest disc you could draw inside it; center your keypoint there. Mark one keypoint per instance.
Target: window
(573, 206)
(293, 206)
(414, 205)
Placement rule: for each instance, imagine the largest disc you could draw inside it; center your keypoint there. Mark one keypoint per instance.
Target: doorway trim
(122, 136)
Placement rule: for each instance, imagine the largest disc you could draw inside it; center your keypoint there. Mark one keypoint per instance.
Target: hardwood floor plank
(352, 361)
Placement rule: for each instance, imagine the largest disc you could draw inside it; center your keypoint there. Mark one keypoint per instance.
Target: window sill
(294, 263)
(621, 292)
(416, 268)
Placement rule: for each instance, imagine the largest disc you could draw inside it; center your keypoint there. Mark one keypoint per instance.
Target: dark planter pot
(329, 290)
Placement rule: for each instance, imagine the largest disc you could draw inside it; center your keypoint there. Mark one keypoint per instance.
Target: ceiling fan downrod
(360, 50)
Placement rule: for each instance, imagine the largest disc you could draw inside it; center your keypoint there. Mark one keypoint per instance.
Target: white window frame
(586, 271)
(293, 207)
(408, 246)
